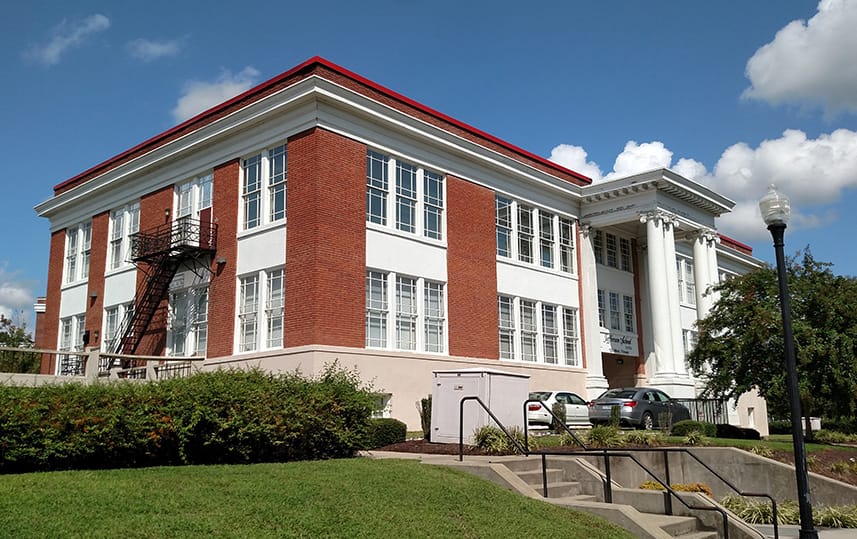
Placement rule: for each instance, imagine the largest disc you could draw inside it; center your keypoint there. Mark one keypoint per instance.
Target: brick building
(320, 217)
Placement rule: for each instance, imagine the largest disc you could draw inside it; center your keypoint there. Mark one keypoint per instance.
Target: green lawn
(334, 498)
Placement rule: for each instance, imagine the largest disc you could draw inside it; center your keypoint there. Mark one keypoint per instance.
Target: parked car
(641, 407)
(576, 409)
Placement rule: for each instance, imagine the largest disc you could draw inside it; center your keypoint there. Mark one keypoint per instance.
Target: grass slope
(334, 498)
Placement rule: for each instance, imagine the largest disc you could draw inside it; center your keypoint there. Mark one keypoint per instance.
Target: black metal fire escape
(160, 252)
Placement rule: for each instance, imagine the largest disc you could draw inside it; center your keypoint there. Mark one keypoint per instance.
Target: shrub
(762, 451)
(825, 436)
(639, 437)
(604, 436)
(493, 440)
(651, 485)
(780, 426)
(424, 407)
(682, 428)
(213, 417)
(731, 431)
(845, 425)
(836, 517)
(385, 431)
(557, 423)
(567, 440)
(614, 417)
(695, 438)
(665, 421)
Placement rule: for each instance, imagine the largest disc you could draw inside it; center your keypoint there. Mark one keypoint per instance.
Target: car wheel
(647, 422)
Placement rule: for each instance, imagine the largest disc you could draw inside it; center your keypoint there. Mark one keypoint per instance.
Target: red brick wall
(221, 290)
(152, 208)
(47, 329)
(97, 264)
(471, 270)
(325, 241)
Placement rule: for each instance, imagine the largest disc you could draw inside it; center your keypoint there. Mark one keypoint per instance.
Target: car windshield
(619, 394)
(540, 395)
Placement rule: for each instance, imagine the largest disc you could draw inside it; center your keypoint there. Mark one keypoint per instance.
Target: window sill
(535, 267)
(74, 284)
(405, 235)
(120, 270)
(261, 229)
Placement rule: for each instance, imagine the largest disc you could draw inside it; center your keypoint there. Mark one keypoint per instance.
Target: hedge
(223, 416)
(740, 433)
(386, 431)
(683, 428)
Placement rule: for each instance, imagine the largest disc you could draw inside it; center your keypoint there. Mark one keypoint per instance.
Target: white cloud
(16, 295)
(199, 95)
(148, 50)
(813, 172)
(812, 62)
(574, 158)
(67, 35)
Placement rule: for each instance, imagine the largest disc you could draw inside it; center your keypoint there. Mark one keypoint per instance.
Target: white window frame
(534, 236)
(690, 339)
(260, 324)
(405, 196)
(612, 251)
(399, 306)
(78, 245)
(188, 311)
(263, 185)
(110, 335)
(71, 340)
(686, 282)
(531, 336)
(124, 222)
(193, 196)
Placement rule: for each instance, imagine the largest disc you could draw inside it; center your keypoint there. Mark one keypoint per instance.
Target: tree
(740, 344)
(14, 335)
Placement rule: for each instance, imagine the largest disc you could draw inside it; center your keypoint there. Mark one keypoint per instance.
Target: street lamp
(776, 209)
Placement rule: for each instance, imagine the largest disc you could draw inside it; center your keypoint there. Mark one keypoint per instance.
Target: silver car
(641, 407)
(576, 409)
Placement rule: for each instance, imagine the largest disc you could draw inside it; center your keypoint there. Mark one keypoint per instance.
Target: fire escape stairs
(159, 252)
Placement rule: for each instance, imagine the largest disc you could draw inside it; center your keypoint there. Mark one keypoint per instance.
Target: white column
(669, 225)
(713, 268)
(705, 273)
(658, 296)
(596, 383)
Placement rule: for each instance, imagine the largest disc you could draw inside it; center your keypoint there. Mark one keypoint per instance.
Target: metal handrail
(499, 424)
(557, 420)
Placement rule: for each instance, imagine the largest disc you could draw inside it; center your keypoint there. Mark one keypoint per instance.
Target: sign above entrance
(619, 343)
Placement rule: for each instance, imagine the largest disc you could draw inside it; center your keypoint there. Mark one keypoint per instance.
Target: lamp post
(776, 209)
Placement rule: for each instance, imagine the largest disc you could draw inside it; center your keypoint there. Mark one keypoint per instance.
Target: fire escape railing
(162, 249)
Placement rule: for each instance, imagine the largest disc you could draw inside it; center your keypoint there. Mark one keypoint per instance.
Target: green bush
(845, 425)
(779, 426)
(641, 437)
(682, 428)
(558, 410)
(695, 438)
(424, 407)
(614, 416)
(762, 451)
(825, 436)
(737, 433)
(385, 431)
(214, 417)
(604, 436)
(493, 440)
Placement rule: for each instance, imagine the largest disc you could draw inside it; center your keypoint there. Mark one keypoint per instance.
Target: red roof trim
(735, 244)
(318, 60)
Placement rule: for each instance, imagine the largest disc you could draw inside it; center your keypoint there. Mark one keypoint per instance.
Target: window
(520, 226)
(525, 233)
(266, 171)
(598, 246)
(414, 311)
(536, 336)
(503, 208)
(194, 196)
(686, 284)
(115, 320)
(628, 313)
(376, 309)
(689, 339)
(506, 316)
(625, 254)
(78, 242)
(418, 201)
(261, 325)
(602, 315)
(615, 313)
(71, 340)
(612, 251)
(550, 333)
(124, 222)
(188, 322)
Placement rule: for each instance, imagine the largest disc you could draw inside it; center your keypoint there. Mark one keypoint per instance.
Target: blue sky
(734, 94)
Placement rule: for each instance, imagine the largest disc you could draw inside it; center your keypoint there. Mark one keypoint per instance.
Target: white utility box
(503, 393)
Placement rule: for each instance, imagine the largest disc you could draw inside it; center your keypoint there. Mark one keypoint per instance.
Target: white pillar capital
(659, 217)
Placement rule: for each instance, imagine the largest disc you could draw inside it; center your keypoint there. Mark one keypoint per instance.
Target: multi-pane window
(615, 312)
(506, 317)
(566, 245)
(417, 202)
(376, 309)
(525, 233)
(71, 340)
(544, 332)
(78, 242)
(602, 310)
(686, 283)
(503, 210)
(611, 250)
(248, 314)
(188, 322)
(413, 310)
(406, 197)
(533, 235)
(628, 313)
(194, 196)
(550, 333)
(264, 186)
(529, 330)
(275, 307)
(689, 338)
(570, 337)
(261, 324)
(124, 222)
(114, 322)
